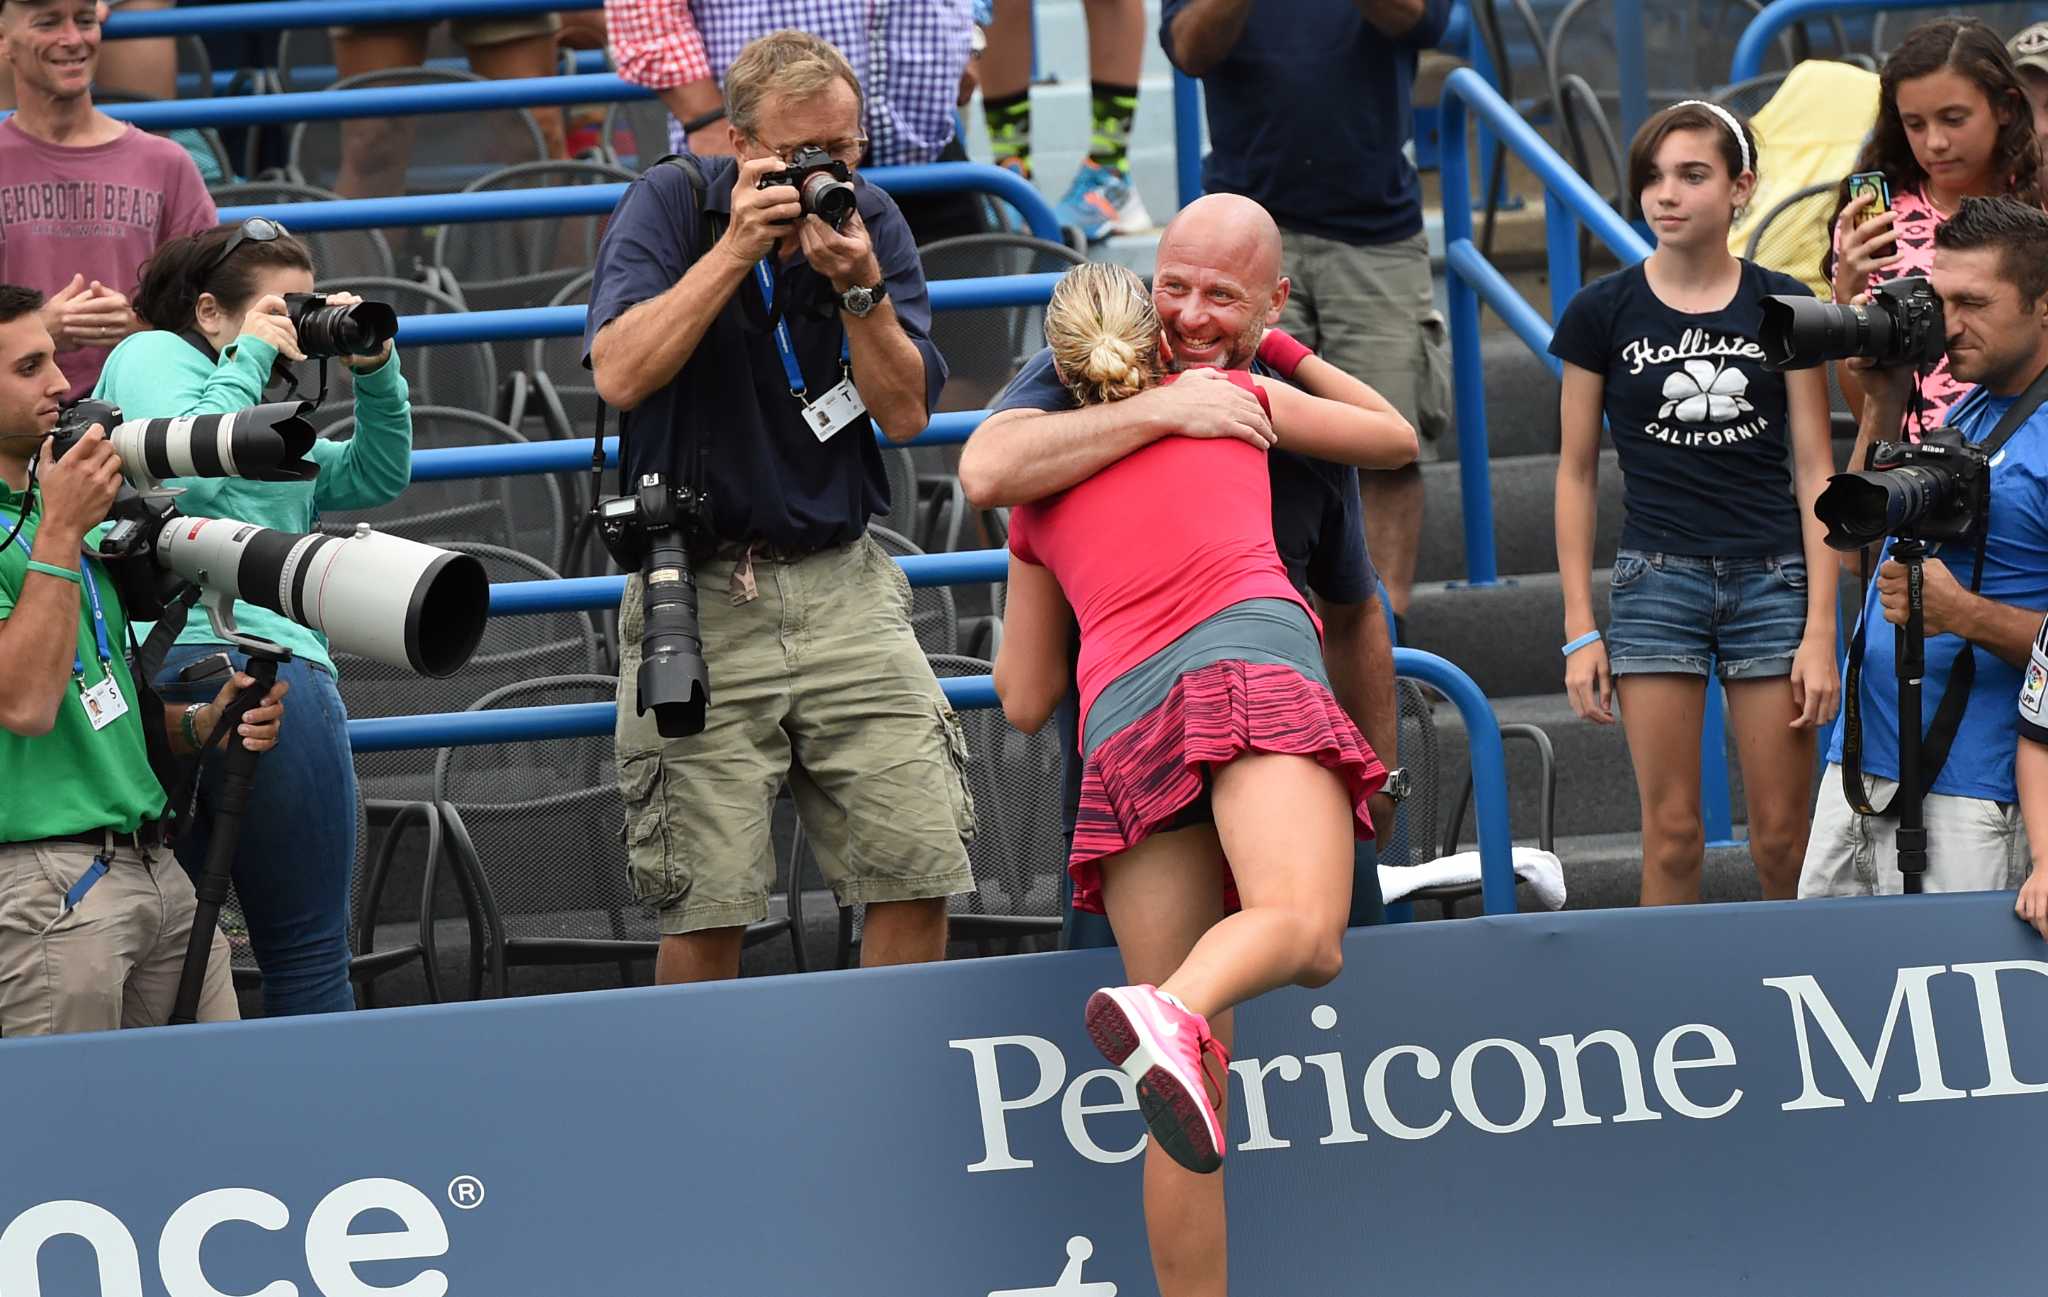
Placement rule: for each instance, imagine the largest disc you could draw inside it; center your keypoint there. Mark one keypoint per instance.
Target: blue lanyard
(783, 346)
(99, 625)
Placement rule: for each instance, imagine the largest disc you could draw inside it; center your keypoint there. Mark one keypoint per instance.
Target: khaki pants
(112, 960)
(818, 681)
(1972, 845)
(1370, 310)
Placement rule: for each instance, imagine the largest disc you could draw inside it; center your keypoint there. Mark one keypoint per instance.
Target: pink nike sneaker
(1162, 1045)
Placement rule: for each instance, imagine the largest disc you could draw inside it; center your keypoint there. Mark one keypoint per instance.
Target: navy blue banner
(1843, 1097)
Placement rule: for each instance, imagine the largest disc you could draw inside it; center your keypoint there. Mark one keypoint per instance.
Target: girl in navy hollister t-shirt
(1721, 459)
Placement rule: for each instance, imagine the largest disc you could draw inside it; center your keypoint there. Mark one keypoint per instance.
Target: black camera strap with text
(1962, 676)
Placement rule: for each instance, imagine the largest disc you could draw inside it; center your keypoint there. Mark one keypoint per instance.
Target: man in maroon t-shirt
(84, 200)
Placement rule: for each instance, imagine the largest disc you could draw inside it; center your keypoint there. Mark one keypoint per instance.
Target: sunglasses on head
(257, 229)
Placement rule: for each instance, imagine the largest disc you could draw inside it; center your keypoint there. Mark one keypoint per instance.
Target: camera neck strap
(1962, 674)
(786, 348)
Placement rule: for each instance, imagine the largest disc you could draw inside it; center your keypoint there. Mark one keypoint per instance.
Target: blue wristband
(1590, 637)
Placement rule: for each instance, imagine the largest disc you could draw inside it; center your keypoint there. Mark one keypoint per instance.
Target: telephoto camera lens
(1863, 508)
(264, 443)
(358, 330)
(377, 596)
(673, 681)
(1805, 330)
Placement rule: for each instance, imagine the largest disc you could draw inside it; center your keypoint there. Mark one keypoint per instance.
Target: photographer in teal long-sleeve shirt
(219, 335)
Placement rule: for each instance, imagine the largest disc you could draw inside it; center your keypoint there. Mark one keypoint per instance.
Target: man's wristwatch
(858, 300)
(1399, 784)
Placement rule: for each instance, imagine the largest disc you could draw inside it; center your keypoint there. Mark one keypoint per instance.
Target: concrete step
(1524, 517)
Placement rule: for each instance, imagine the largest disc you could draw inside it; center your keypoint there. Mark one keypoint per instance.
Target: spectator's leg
(1777, 768)
(709, 955)
(880, 778)
(1163, 895)
(1116, 51)
(1841, 848)
(697, 809)
(1006, 85)
(375, 150)
(1376, 311)
(302, 809)
(526, 55)
(152, 989)
(1973, 845)
(62, 972)
(1662, 713)
(903, 932)
(141, 67)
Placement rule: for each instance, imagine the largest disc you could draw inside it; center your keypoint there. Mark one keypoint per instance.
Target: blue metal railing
(567, 321)
(379, 101)
(279, 15)
(557, 202)
(1778, 16)
(321, 76)
(1568, 202)
(523, 458)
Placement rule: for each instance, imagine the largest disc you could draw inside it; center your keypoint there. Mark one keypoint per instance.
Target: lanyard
(783, 346)
(99, 625)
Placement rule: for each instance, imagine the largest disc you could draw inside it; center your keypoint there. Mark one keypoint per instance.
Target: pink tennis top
(1151, 546)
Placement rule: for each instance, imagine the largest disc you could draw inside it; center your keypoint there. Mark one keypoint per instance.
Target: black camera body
(1936, 491)
(649, 532)
(77, 419)
(1901, 325)
(358, 330)
(823, 184)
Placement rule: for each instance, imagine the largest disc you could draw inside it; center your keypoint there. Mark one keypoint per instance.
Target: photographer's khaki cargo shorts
(817, 680)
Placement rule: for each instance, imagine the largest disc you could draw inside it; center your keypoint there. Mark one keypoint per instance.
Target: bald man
(1218, 290)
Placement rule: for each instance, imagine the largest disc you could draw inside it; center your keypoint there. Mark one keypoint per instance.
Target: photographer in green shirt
(94, 915)
(219, 333)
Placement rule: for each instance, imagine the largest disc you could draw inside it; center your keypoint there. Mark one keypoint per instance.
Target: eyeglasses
(257, 229)
(849, 150)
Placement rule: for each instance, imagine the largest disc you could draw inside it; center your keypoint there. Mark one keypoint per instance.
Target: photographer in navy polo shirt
(1308, 106)
(751, 363)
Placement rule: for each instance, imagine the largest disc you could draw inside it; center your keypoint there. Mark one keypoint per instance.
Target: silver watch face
(1397, 784)
(858, 300)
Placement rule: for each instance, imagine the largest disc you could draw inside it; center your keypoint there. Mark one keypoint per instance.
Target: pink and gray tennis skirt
(1247, 679)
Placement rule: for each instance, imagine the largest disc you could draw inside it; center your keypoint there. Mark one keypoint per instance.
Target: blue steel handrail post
(560, 721)
(1475, 487)
(1489, 770)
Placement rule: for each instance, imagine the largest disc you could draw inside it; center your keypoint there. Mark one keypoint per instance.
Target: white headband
(1728, 120)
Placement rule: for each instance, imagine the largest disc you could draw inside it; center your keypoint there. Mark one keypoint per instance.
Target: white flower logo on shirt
(1704, 392)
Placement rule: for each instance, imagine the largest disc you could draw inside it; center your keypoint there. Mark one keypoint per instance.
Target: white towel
(1540, 869)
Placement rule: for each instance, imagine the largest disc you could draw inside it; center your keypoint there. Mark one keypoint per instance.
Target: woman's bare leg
(1777, 780)
(1662, 716)
(1285, 825)
(1162, 895)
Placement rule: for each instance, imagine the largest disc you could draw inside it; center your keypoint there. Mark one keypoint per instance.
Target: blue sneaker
(1102, 202)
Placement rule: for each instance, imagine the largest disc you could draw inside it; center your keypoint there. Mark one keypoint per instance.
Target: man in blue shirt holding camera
(1991, 274)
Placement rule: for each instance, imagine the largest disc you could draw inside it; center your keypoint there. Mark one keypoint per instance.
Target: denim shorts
(1677, 614)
